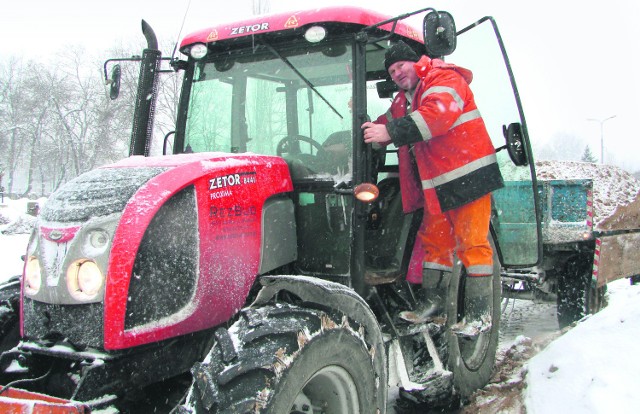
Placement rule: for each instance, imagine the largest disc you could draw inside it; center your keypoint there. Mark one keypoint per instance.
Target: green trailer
(582, 251)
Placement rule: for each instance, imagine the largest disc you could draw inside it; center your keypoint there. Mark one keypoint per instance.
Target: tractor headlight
(315, 34)
(198, 51)
(84, 280)
(32, 276)
(98, 239)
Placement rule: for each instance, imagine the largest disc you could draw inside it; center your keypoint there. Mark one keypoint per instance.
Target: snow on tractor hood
(207, 207)
(230, 192)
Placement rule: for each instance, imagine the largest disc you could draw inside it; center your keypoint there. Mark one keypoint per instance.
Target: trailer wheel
(9, 306)
(576, 297)
(288, 360)
(472, 359)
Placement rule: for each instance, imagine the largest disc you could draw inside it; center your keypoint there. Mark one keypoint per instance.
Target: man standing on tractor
(448, 167)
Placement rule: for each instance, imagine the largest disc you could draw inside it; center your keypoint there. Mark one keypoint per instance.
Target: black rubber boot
(431, 297)
(477, 307)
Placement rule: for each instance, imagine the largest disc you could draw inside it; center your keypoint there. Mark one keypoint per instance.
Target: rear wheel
(288, 360)
(472, 359)
(577, 296)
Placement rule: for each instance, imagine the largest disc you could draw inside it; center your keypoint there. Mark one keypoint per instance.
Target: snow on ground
(15, 227)
(592, 369)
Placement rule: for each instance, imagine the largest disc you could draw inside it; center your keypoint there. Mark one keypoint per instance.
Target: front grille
(96, 193)
(80, 324)
(166, 268)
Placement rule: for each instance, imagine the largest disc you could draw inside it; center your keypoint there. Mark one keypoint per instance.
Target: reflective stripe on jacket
(447, 137)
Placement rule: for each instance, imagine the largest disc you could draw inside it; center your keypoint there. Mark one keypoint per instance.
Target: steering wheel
(291, 145)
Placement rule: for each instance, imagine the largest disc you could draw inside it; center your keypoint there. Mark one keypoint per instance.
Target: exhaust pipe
(142, 131)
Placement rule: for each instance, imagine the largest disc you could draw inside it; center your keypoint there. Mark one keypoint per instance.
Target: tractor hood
(179, 229)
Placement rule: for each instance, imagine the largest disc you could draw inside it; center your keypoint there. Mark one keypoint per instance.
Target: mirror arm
(396, 19)
(137, 58)
(134, 58)
(166, 141)
(363, 36)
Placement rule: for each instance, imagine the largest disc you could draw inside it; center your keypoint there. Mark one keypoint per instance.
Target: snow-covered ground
(14, 236)
(593, 368)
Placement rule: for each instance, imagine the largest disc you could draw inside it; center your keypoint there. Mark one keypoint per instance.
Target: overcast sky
(573, 60)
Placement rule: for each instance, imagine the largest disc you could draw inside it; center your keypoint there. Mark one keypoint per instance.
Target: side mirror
(114, 90)
(439, 31)
(515, 145)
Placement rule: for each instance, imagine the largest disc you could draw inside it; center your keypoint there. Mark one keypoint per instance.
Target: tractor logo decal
(258, 27)
(220, 194)
(221, 186)
(230, 180)
(248, 177)
(55, 235)
(236, 210)
(213, 36)
(61, 235)
(291, 22)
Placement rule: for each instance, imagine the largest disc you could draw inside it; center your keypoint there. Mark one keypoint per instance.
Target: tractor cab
(299, 86)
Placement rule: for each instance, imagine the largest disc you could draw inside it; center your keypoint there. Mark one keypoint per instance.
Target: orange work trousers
(463, 230)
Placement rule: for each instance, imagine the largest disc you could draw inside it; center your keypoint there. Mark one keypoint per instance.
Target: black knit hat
(397, 52)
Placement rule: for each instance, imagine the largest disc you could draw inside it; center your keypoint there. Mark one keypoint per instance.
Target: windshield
(267, 100)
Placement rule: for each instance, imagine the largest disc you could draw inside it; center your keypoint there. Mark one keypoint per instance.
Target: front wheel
(287, 359)
(472, 359)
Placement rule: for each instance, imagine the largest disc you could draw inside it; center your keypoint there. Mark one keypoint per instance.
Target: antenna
(261, 7)
(184, 18)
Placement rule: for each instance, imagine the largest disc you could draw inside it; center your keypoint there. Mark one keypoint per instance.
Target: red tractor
(261, 266)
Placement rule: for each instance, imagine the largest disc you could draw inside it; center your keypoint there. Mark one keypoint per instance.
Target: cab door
(516, 208)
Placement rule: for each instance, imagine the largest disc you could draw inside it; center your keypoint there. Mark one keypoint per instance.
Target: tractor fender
(333, 295)
(326, 293)
(330, 330)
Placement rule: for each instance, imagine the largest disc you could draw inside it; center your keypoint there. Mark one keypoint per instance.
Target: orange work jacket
(444, 136)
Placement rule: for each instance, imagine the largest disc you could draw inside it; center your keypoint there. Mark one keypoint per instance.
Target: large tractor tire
(9, 318)
(472, 359)
(287, 359)
(577, 296)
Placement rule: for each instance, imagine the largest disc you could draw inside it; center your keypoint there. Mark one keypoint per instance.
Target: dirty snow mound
(616, 201)
(21, 225)
(503, 394)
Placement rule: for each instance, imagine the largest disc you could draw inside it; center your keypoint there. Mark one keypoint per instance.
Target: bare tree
(13, 117)
(561, 146)
(37, 128)
(59, 122)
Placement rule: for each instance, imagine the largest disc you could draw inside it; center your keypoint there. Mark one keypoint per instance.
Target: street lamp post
(601, 121)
